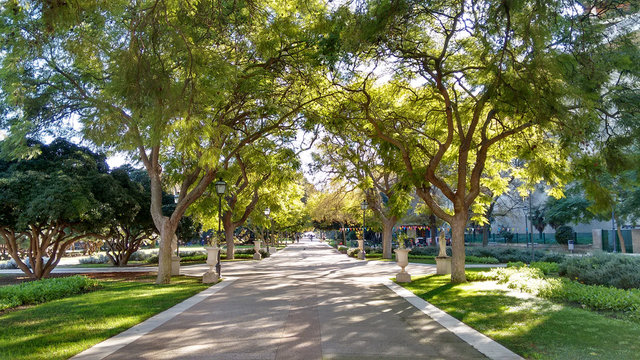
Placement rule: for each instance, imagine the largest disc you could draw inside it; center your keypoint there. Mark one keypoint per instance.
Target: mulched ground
(11, 279)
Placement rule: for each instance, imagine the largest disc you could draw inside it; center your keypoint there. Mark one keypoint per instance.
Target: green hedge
(533, 281)
(620, 271)
(502, 254)
(44, 290)
(546, 267)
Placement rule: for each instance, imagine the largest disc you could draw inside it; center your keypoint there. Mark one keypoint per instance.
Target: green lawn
(62, 328)
(532, 327)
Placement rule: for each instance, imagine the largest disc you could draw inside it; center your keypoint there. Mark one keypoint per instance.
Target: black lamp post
(364, 206)
(221, 188)
(267, 212)
(527, 222)
(176, 198)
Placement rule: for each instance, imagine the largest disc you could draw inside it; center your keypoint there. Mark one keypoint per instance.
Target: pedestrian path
(306, 302)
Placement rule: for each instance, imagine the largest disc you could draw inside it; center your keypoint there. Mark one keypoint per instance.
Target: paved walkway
(306, 302)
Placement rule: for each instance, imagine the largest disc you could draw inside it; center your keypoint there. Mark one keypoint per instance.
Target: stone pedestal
(443, 265)
(211, 276)
(597, 239)
(402, 258)
(635, 240)
(361, 254)
(256, 249)
(175, 265)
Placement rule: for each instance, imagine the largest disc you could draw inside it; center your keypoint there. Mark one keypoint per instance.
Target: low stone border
(115, 343)
(481, 342)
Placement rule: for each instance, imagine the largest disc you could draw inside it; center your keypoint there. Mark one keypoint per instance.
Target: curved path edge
(113, 344)
(487, 346)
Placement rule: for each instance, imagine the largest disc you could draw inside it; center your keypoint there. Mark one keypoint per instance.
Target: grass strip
(62, 328)
(532, 327)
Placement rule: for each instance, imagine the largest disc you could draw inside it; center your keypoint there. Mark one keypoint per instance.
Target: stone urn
(402, 258)
(211, 275)
(361, 254)
(256, 249)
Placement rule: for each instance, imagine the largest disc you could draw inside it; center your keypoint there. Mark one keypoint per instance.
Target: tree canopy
(182, 85)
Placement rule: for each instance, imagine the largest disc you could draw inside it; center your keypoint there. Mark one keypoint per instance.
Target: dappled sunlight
(530, 326)
(306, 301)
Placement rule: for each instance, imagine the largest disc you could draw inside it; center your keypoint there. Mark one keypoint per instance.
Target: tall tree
(345, 155)
(184, 86)
(476, 84)
(128, 223)
(50, 200)
(253, 173)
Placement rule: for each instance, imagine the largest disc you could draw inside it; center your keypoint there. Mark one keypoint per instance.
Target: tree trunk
(623, 249)
(432, 229)
(485, 234)
(167, 233)
(387, 234)
(229, 229)
(457, 248)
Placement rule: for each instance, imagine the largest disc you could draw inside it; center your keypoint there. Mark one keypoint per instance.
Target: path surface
(306, 302)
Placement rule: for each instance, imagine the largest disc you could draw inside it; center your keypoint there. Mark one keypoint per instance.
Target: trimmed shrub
(552, 257)
(100, 259)
(353, 252)
(546, 267)
(564, 233)
(139, 256)
(533, 281)
(40, 291)
(343, 249)
(615, 270)
(471, 259)
(516, 264)
(11, 264)
(505, 254)
(193, 258)
(428, 250)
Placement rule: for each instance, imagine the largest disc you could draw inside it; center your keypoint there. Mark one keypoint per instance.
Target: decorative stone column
(443, 262)
(361, 254)
(635, 240)
(256, 248)
(211, 276)
(597, 239)
(402, 258)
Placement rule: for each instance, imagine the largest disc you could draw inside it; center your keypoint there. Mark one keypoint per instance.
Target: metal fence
(544, 238)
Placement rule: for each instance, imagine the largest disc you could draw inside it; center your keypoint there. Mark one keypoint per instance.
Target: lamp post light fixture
(221, 188)
(364, 206)
(176, 198)
(267, 212)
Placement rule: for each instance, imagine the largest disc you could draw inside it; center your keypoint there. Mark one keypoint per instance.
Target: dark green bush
(564, 233)
(40, 291)
(193, 258)
(516, 264)
(428, 250)
(620, 271)
(353, 252)
(506, 234)
(471, 259)
(505, 254)
(553, 257)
